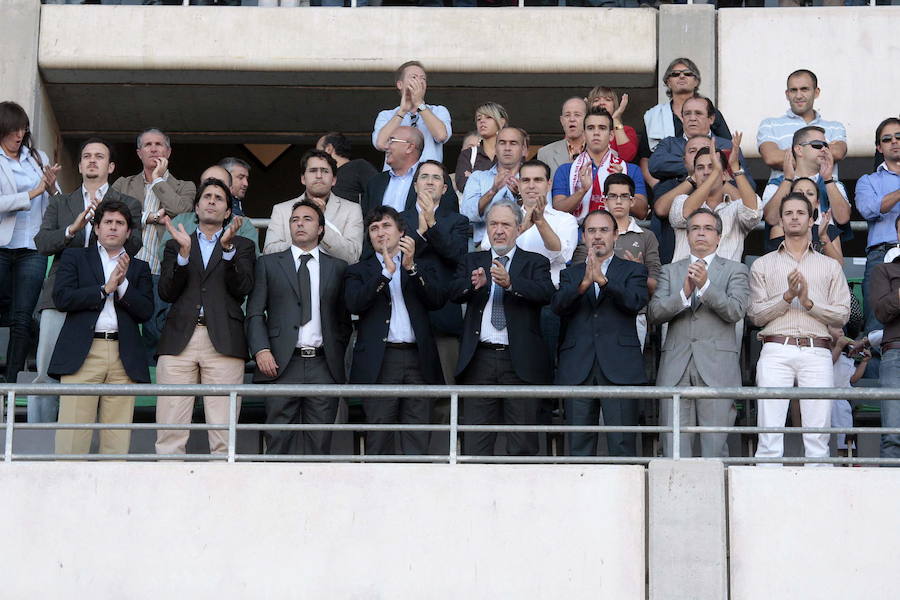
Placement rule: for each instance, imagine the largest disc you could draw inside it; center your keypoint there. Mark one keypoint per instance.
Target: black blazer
(77, 293)
(220, 289)
(367, 294)
(273, 311)
(603, 329)
(531, 288)
(378, 183)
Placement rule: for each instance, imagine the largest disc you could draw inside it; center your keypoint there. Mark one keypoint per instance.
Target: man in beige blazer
(343, 219)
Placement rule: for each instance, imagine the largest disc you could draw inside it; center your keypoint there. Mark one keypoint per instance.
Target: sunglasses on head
(816, 144)
(886, 138)
(685, 72)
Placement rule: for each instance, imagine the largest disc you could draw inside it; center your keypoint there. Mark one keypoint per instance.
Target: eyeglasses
(393, 139)
(684, 73)
(704, 228)
(816, 144)
(885, 139)
(614, 197)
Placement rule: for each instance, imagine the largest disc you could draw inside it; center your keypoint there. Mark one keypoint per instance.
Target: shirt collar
(510, 254)
(707, 259)
(297, 252)
(101, 190)
(883, 167)
(809, 246)
(202, 236)
(792, 115)
(633, 226)
(409, 173)
(105, 255)
(380, 258)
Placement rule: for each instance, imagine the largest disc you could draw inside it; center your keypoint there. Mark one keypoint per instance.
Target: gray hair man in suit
(701, 297)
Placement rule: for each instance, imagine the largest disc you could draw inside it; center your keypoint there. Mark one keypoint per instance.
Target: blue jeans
(22, 274)
(890, 409)
(874, 257)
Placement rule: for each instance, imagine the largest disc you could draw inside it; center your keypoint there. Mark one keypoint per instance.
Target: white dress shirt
(489, 333)
(603, 267)
(88, 226)
(565, 226)
(685, 301)
(400, 330)
(310, 334)
(107, 321)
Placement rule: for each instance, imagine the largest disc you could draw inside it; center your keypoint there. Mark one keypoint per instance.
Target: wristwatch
(827, 181)
(738, 172)
(412, 271)
(421, 107)
(228, 249)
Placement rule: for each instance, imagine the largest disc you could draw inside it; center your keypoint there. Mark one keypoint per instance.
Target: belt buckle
(308, 352)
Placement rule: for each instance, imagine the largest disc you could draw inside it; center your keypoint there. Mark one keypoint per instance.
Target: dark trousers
(400, 366)
(152, 329)
(294, 409)
(21, 275)
(494, 367)
(616, 411)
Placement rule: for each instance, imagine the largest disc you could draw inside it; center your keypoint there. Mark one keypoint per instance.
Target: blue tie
(498, 315)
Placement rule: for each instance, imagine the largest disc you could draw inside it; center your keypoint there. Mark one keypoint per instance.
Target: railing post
(454, 418)
(232, 425)
(676, 426)
(10, 420)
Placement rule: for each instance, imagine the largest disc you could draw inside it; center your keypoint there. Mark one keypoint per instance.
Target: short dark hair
(799, 198)
(398, 74)
(315, 207)
(799, 179)
(97, 140)
(882, 125)
(13, 118)
(433, 163)
(536, 162)
(229, 199)
(598, 111)
(896, 221)
(620, 179)
(339, 142)
(704, 151)
(380, 212)
(230, 161)
(113, 205)
(802, 134)
(705, 211)
(811, 75)
(600, 211)
(304, 160)
(710, 107)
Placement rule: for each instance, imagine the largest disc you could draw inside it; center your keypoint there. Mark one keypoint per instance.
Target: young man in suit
(67, 224)
(298, 329)
(395, 344)
(505, 288)
(597, 303)
(205, 276)
(105, 295)
(701, 297)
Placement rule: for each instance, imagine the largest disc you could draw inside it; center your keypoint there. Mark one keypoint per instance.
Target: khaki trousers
(198, 363)
(102, 365)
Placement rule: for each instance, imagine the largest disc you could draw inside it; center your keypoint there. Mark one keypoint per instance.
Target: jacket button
(477, 332)
(203, 290)
(384, 339)
(387, 320)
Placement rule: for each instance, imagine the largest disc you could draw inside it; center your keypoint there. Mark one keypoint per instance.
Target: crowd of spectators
(512, 270)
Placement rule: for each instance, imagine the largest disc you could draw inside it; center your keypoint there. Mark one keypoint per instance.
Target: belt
(201, 320)
(106, 335)
(309, 351)
(401, 345)
(880, 246)
(489, 346)
(889, 346)
(806, 342)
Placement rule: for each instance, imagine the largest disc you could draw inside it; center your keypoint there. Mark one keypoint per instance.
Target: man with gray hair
(240, 182)
(160, 194)
(505, 288)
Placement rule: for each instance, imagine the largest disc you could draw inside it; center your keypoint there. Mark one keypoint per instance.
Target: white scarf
(660, 124)
(611, 163)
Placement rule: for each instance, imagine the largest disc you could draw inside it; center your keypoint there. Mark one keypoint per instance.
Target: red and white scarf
(611, 163)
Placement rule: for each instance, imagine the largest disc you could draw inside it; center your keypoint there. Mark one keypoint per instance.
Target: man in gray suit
(567, 149)
(67, 224)
(701, 298)
(298, 329)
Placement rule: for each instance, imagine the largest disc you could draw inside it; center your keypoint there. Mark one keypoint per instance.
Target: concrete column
(688, 30)
(687, 532)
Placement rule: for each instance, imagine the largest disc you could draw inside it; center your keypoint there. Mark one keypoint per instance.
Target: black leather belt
(106, 335)
(309, 351)
(401, 345)
(489, 346)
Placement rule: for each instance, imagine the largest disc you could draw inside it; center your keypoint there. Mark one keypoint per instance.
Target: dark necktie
(695, 299)
(305, 294)
(498, 315)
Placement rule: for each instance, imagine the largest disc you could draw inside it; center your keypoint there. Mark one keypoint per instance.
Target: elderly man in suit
(67, 224)
(505, 288)
(597, 303)
(205, 276)
(701, 297)
(298, 329)
(105, 294)
(343, 219)
(567, 149)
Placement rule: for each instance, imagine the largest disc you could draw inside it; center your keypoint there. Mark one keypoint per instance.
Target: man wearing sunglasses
(878, 201)
(775, 134)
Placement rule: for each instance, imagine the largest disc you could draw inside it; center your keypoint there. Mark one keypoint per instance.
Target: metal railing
(453, 428)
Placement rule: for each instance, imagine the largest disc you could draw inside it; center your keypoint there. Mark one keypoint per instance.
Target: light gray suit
(343, 228)
(701, 348)
(555, 154)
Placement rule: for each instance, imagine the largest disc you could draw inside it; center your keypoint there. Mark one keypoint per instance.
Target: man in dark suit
(505, 289)
(394, 187)
(597, 302)
(105, 295)
(206, 276)
(67, 224)
(395, 344)
(298, 329)
(442, 239)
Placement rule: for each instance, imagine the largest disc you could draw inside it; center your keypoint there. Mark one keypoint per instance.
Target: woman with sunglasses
(26, 182)
(490, 118)
(625, 140)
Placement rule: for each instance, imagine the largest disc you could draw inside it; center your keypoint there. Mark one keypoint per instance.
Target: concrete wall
(813, 533)
(852, 50)
(322, 531)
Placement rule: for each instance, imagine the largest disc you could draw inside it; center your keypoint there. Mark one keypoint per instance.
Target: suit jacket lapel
(411, 197)
(326, 268)
(214, 258)
(286, 260)
(93, 256)
(75, 203)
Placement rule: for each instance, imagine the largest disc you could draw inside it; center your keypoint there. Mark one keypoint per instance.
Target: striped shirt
(828, 292)
(780, 131)
(737, 221)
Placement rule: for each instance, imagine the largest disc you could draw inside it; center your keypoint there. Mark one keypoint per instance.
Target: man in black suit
(105, 295)
(395, 345)
(505, 289)
(598, 301)
(67, 224)
(442, 240)
(394, 187)
(298, 329)
(205, 276)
